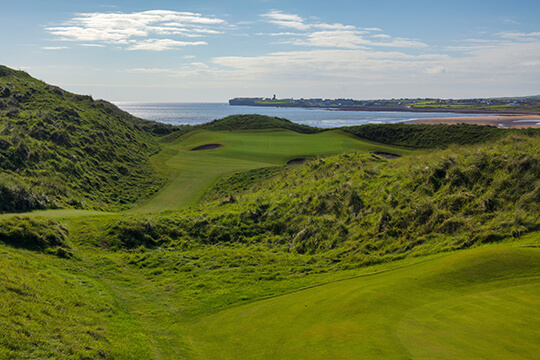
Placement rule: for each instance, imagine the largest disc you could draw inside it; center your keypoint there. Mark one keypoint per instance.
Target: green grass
(62, 150)
(354, 240)
(477, 304)
(192, 173)
(431, 136)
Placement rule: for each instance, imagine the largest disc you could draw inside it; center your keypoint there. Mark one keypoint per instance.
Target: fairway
(477, 304)
(192, 173)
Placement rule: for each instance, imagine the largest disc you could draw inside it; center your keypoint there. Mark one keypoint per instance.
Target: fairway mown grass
(439, 309)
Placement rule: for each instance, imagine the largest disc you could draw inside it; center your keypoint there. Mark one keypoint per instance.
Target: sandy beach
(508, 121)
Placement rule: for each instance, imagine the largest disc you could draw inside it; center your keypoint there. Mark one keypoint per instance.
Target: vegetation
(366, 209)
(428, 310)
(427, 136)
(192, 173)
(257, 122)
(58, 149)
(35, 234)
(346, 256)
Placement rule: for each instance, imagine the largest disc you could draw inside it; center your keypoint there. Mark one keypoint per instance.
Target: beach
(503, 121)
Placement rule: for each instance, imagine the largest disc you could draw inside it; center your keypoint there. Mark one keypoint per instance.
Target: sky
(212, 51)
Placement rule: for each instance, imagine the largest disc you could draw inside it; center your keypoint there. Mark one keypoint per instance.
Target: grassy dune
(477, 304)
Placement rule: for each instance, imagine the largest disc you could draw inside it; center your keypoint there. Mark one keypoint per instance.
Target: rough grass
(430, 136)
(257, 122)
(61, 150)
(364, 209)
(35, 234)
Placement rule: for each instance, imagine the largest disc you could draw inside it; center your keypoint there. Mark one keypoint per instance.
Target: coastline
(502, 121)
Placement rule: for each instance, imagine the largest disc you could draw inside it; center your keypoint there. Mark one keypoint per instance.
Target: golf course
(252, 237)
(192, 173)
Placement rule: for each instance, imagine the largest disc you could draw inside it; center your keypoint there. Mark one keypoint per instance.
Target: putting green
(192, 173)
(481, 304)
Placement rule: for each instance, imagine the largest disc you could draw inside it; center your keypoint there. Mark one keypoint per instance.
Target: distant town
(516, 105)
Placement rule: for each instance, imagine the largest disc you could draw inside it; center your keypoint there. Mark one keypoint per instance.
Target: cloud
(286, 20)
(134, 29)
(518, 35)
(511, 21)
(163, 44)
(320, 34)
(54, 47)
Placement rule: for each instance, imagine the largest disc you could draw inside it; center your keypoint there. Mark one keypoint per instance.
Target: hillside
(60, 150)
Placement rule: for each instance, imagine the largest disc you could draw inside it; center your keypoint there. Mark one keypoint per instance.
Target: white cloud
(349, 39)
(151, 71)
(54, 47)
(518, 35)
(511, 20)
(279, 34)
(162, 44)
(286, 20)
(318, 34)
(532, 63)
(133, 29)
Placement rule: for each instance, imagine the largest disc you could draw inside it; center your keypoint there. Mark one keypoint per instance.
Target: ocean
(199, 113)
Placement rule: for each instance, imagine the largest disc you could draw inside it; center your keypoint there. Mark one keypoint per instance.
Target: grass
(353, 240)
(430, 136)
(180, 284)
(427, 310)
(62, 150)
(192, 173)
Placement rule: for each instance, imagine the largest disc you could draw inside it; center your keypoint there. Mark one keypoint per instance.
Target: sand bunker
(386, 155)
(207, 147)
(296, 161)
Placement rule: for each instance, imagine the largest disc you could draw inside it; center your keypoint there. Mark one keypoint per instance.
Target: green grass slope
(166, 280)
(475, 304)
(60, 150)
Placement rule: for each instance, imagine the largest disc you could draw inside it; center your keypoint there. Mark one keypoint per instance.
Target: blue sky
(210, 51)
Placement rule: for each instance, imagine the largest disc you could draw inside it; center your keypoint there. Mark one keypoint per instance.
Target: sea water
(199, 113)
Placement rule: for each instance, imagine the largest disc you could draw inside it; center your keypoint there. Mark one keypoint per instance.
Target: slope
(61, 150)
